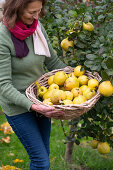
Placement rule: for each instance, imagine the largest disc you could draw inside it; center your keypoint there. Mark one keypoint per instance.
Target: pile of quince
(72, 88)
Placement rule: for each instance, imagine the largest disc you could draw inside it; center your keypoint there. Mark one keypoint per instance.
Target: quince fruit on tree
(94, 144)
(65, 44)
(106, 88)
(88, 26)
(103, 148)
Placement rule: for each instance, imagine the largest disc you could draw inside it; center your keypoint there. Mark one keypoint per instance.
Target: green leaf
(104, 75)
(101, 39)
(110, 72)
(96, 67)
(101, 17)
(88, 63)
(73, 13)
(109, 63)
(80, 45)
(110, 35)
(110, 124)
(96, 44)
(82, 36)
(110, 16)
(91, 56)
(87, 18)
(58, 15)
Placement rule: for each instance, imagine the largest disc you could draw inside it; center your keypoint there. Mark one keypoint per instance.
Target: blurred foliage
(93, 49)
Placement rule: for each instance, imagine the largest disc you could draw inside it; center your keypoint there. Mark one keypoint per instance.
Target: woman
(24, 49)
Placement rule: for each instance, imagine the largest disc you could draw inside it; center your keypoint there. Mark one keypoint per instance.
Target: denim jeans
(34, 134)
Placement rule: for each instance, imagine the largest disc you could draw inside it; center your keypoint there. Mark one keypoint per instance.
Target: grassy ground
(84, 157)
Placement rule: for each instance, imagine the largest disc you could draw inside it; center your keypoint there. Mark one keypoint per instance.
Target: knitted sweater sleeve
(7, 90)
(52, 62)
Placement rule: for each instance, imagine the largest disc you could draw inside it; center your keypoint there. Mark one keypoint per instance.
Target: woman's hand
(47, 111)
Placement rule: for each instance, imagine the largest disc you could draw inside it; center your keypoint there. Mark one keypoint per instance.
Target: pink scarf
(21, 31)
(18, 35)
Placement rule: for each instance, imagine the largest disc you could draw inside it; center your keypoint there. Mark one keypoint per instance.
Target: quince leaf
(109, 63)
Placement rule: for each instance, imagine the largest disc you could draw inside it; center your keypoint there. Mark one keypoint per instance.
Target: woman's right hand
(48, 111)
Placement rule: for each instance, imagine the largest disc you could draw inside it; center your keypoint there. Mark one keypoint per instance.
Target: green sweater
(17, 74)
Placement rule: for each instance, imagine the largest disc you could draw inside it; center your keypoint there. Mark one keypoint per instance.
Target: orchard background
(94, 51)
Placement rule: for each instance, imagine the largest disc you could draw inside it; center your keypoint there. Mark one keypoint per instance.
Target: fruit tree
(90, 31)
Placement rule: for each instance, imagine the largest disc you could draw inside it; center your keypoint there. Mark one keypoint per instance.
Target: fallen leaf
(6, 139)
(6, 128)
(52, 159)
(18, 160)
(7, 131)
(8, 167)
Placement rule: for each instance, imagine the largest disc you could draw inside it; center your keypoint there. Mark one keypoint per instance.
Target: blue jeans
(34, 134)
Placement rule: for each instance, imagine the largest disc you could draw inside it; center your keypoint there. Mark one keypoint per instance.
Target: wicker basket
(71, 111)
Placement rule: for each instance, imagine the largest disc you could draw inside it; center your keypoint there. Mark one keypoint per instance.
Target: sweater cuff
(27, 103)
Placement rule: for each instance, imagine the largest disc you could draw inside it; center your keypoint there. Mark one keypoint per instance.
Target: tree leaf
(109, 63)
(96, 67)
(110, 16)
(101, 17)
(104, 75)
(73, 13)
(110, 72)
(91, 56)
(96, 44)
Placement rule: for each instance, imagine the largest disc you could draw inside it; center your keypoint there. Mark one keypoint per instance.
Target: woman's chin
(29, 22)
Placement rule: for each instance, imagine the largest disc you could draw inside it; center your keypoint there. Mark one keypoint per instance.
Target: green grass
(83, 156)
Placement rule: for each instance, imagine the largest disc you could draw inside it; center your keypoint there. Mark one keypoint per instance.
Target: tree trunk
(70, 146)
(69, 152)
